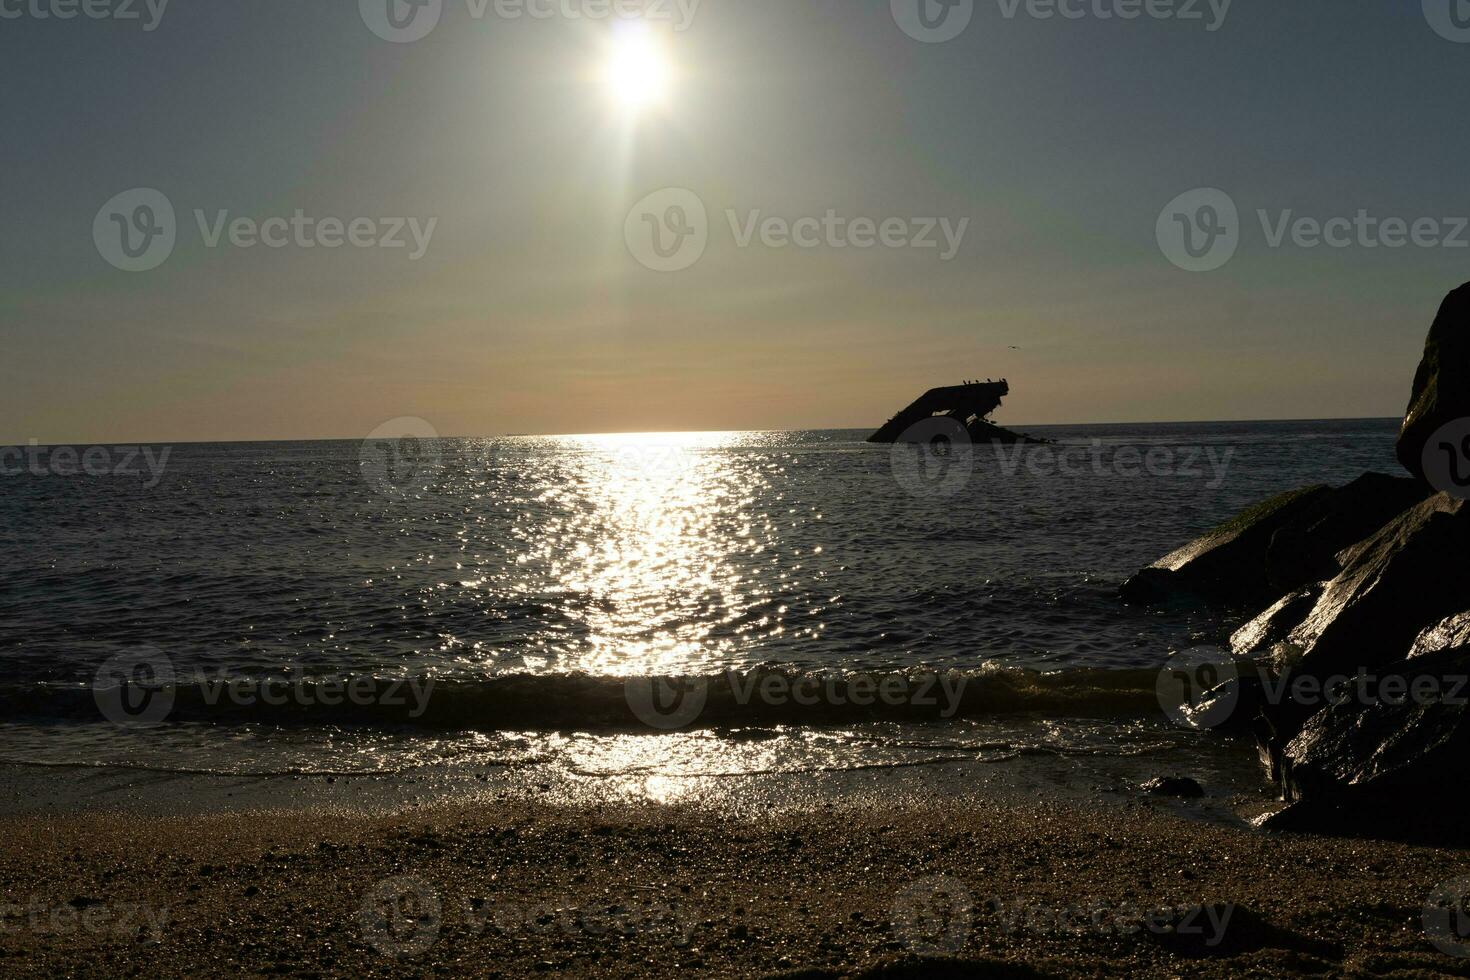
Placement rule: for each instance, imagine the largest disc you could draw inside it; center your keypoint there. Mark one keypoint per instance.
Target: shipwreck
(970, 405)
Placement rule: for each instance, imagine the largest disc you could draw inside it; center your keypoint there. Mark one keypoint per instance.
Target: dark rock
(1280, 545)
(1276, 624)
(1442, 384)
(1151, 586)
(1401, 735)
(1227, 566)
(1400, 819)
(1305, 550)
(1452, 632)
(1406, 577)
(1401, 580)
(1181, 787)
(1234, 705)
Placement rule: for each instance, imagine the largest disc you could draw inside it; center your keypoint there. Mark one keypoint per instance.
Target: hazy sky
(1060, 139)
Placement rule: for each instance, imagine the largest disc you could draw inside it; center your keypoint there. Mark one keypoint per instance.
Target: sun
(637, 73)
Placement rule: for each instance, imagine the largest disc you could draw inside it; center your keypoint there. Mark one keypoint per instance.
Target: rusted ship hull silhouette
(968, 405)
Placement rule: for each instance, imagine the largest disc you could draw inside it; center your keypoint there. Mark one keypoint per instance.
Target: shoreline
(999, 886)
(747, 774)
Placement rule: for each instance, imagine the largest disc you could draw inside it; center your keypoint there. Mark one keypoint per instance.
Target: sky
(536, 157)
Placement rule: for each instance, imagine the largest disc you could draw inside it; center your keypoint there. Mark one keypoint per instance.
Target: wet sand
(515, 887)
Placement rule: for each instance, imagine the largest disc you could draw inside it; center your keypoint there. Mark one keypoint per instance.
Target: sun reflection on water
(661, 550)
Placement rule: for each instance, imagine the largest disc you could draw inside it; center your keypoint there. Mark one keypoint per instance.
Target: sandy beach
(517, 887)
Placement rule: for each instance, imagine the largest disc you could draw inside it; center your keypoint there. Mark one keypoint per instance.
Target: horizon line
(638, 432)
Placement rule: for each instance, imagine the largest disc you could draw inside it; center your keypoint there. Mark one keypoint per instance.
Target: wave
(582, 702)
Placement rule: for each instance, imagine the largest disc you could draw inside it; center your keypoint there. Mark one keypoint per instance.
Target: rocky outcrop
(1304, 551)
(1366, 618)
(1452, 632)
(1276, 624)
(1227, 566)
(1399, 731)
(1281, 545)
(1355, 679)
(1442, 384)
(1407, 575)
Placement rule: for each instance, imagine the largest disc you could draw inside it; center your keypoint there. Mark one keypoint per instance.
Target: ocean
(473, 608)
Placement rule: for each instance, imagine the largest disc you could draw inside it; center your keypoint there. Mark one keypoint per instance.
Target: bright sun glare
(637, 73)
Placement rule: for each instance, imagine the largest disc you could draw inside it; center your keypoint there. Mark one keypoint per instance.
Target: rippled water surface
(554, 567)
